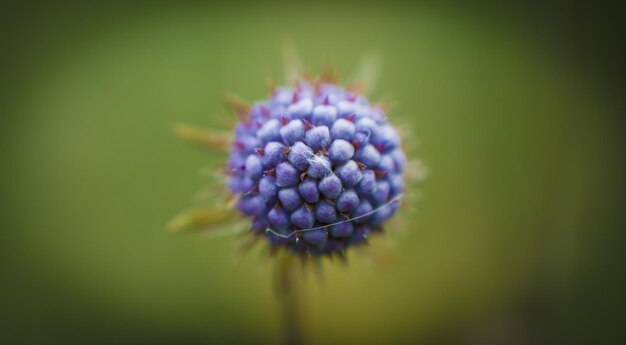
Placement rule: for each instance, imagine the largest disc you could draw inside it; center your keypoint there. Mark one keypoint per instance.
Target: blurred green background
(516, 236)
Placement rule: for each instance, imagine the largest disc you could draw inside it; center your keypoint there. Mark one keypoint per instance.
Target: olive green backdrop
(513, 235)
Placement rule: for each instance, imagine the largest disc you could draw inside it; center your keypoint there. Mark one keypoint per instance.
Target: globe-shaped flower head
(316, 168)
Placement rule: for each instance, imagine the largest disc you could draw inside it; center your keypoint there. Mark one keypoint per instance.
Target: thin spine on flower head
(394, 200)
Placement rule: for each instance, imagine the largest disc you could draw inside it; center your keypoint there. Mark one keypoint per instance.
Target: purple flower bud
(388, 137)
(367, 185)
(340, 151)
(347, 201)
(349, 173)
(273, 154)
(343, 129)
(315, 237)
(286, 175)
(289, 198)
(259, 224)
(278, 219)
(368, 155)
(319, 166)
(359, 235)
(330, 94)
(302, 218)
(292, 132)
(341, 230)
(308, 191)
(251, 205)
(368, 125)
(364, 208)
(268, 189)
(347, 108)
(317, 138)
(269, 131)
(399, 158)
(301, 110)
(283, 95)
(236, 160)
(386, 164)
(384, 214)
(299, 155)
(396, 184)
(247, 144)
(324, 115)
(254, 167)
(361, 138)
(325, 212)
(240, 184)
(330, 186)
(381, 195)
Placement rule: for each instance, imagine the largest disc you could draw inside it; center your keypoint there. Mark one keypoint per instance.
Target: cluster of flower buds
(316, 168)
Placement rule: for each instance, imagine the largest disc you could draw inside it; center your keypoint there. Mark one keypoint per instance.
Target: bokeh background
(515, 237)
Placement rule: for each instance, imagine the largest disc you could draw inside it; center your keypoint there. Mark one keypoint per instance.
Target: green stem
(288, 298)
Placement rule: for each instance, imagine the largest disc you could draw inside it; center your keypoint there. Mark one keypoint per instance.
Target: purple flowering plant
(315, 169)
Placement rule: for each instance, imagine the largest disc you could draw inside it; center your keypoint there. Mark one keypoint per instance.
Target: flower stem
(288, 298)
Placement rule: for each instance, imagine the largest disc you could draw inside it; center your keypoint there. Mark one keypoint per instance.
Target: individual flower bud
(254, 167)
(269, 131)
(349, 173)
(303, 218)
(325, 212)
(299, 155)
(301, 110)
(340, 151)
(308, 190)
(342, 129)
(286, 175)
(324, 115)
(347, 201)
(272, 154)
(381, 195)
(317, 137)
(367, 185)
(292, 132)
(341, 230)
(315, 237)
(368, 155)
(360, 212)
(319, 166)
(278, 219)
(330, 186)
(386, 164)
(268, 189)
(289, 198)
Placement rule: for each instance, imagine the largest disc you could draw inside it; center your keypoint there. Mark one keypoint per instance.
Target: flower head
(317, 169)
